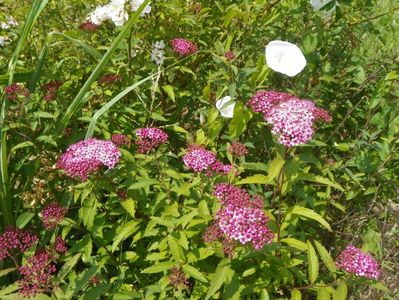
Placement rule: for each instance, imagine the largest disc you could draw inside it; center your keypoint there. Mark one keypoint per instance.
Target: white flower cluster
(157, 52)
(3, 41)
(11, 22)
(115, 11)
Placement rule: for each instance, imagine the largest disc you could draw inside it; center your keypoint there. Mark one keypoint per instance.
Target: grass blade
(76, 103)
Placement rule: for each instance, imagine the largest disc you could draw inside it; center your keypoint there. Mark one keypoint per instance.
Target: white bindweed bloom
(159, 44)
(226, 106)
(117, 13)
(99, 15)
(4, 26)
(319, 4)
(136, 4)
(285, 58)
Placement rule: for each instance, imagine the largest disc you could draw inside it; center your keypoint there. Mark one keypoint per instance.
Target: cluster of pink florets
(198, 159)
(109, 79)
(52, 215)
(37, 274)
(88, 26)
(14, 241)
(150, 138)
(353, 260)
(60, 245)
(178, 279)
(240, 218)
(120, 140)
(15, 90)
(292, 119)
(87, 156)
(51, 89)
(183, 47)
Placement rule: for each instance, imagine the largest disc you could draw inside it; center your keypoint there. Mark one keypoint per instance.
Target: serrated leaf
(321, 180)
(295, 243)
(123, 232)
(326, 257)
(130, 206)
(193, 272)
(159, 267)
(313, 263)
(308, 213)
(175, 249)
(68, 266)
(323, 294)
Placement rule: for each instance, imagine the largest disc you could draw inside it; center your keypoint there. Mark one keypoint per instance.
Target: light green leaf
(175, 249)
(254, 179)
(296, 295)
(326, 257)
(295, 243)
(341, 292)
(319, 179)
(313, 263)
(159, 267)
(323, 294)
(123, 232)
(24, 219)
(219, 278)
(130, 206)
(169, 90)
(144, 183)
(308, 213)
(193, 272)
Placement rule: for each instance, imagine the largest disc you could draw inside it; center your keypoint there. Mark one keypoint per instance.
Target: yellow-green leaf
(193, 272)
(326, 257)
(296, 295)
(313, 263)
(341, 292)
(308, 213)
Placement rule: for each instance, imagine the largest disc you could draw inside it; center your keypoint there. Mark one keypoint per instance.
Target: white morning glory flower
(285, 58)
(226, 106)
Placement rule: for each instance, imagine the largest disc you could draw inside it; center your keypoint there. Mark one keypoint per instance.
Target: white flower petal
(319, 4)
(226, 107)
(285, 58)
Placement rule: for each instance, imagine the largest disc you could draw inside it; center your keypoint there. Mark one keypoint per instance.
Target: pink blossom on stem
(15, 90)
(198, 159)
(87, 156)
(178, 279)
(120, 139)
(263, 101)
(238, 149)
(88, 26)
(183, 47)
(52, 215)
(60, 245)
(37, 274)
(150, 138)
(353, 260)
(109, 79)
(14, 241)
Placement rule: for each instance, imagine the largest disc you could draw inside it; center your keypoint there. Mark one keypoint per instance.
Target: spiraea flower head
(88, 26)
(183, 47)
(353, 260)
(109, 79)
(60, 245)
(15, 90)
(52, 215)
(37, 274)
(87, 156)
(51, 89)
(238, 149)
(14, 241)
(198, 159)
(150, 138)
(292, 119)
(178, 279)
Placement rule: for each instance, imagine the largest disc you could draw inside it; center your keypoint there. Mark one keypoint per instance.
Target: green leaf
(123, 232)
(143, 183)
(193, 272)
(326, 257)
(24, 219)
(81, 280)
(159, 267)
(341, 292)
(240, 120)
(254, 179)
(219, 278)
(319, 179)
(6, 271)
(68, 266)
(96, 291)
(313, 263)
(274, 168)
(323, 294)
(175, 249)
(308, 213)
(295, 243)
(169, 90)
(130, 206)
(22, 145)
(296, 295)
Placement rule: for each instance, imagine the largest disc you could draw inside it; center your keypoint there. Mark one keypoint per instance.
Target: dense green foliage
(127, 227)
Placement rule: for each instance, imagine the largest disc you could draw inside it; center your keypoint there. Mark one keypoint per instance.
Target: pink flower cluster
(88, 26)
(240, 219)
(13, 241)
(198, 159)
(15, 90)
(52, 215)
(150, 138)
(183, 47)
(51, 89)
(87, 156)
(353, 260)
(120, 139)
(229, 55)
(238, 149)
(60, 245)
(292, 119)
(37, 274)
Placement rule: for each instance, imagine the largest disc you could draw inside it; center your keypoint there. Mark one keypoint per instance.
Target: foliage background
(131, 245)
